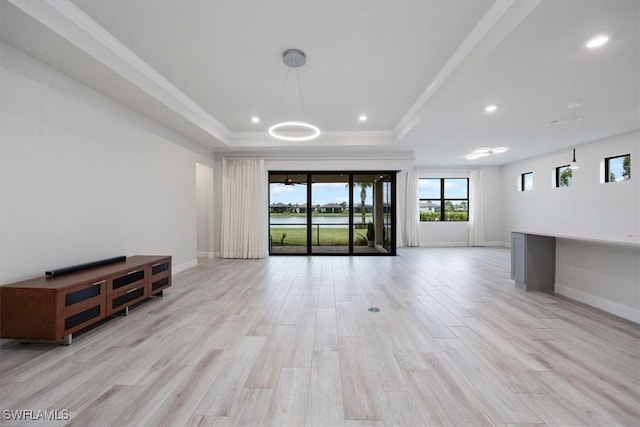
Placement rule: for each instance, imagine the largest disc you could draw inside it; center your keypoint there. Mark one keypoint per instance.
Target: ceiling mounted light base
(294, 58)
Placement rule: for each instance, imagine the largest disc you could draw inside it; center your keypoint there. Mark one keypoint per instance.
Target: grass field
(328, 236)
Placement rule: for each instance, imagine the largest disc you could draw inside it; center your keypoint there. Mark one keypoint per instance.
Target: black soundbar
(80, 267)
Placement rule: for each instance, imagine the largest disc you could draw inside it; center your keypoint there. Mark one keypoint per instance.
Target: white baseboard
(203, 254)
(456, 244)
(184, 266)
(612, 307)
(443, 244)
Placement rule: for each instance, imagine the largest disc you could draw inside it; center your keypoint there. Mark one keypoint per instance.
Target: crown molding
(69, 22)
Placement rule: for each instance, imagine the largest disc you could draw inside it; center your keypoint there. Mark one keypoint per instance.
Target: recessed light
(490, 108)
(362, 118)
(597, 41)
(255, 119)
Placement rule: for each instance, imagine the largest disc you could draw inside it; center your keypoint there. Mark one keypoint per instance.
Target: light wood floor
(289, 341)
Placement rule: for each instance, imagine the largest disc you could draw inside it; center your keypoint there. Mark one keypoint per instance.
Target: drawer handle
(131, 272)
(157, 264)
(99, 283)
(131, 290)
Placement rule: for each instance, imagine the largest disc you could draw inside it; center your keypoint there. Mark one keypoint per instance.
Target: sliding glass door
(288, 213)
(332, 213)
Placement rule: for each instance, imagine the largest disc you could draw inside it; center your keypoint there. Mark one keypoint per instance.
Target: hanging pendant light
(290, 130)
(574, 164)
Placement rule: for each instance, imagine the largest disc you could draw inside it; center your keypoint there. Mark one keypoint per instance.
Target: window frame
(607, 168)
(557, 183)
(442, 200)
(522, 181)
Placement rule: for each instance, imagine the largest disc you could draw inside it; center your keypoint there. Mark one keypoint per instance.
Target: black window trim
(606, 165)
(557, 183)
(522, 180)
(442, 199)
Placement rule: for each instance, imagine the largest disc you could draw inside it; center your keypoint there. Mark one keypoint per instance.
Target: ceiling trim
(71, 23)
(487, 23)
(326, 138)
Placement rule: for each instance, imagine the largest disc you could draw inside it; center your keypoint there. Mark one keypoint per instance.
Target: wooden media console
(53, 308)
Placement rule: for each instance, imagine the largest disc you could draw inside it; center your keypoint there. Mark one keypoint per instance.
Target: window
(563, 176)
(444, 199)
(617, 168)
(526, 181)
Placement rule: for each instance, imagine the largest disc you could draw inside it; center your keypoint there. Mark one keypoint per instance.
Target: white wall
(457, 233)
(204, 198)
(587, 206)
(602, 275)
(83, 178)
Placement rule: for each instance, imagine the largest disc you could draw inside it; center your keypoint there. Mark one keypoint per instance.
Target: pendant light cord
(300, 93)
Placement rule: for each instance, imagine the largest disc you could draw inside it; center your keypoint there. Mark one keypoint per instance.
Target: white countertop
(632, 240)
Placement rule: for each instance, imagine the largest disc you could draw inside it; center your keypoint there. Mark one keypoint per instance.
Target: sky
(338, 192)
(322, 193)
(454, 188)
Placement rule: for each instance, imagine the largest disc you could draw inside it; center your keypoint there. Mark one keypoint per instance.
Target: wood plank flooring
(289, 341)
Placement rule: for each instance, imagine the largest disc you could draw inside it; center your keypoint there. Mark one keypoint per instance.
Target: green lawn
(328, 236)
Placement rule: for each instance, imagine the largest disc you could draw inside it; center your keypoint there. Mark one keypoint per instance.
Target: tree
(626, 167)
(565, 177)
(448, 206)
(363, 197)
(612, 177)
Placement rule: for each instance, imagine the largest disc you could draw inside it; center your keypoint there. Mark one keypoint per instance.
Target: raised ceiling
(422, 71)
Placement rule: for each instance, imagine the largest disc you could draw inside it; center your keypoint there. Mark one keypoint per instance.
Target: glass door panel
(362, 213)
(288, 213)
(387, 214)
(330, 213)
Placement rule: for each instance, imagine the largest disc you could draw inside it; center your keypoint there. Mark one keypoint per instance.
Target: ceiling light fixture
(362, 118)
(574, 164)
(255, 119)
(294, 130)
(490, 108)
(597, 41)
(485, 151)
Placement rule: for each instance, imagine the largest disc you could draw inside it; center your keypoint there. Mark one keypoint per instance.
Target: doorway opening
(204, 211)
(332, 213)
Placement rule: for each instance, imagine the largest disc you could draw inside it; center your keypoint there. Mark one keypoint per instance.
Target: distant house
(331, 208)
(429, 206)
(358, 208)
(278, 208)
(302, 208)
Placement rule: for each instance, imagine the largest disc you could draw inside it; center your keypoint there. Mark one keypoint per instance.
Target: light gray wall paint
(605, 276)
(83, 178)
(587, 206)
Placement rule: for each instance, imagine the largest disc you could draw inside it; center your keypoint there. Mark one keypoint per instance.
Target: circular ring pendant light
(276, 131)
(291, 130)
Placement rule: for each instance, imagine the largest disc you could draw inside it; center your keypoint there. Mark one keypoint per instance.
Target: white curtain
(244, 209)
(411, 220)
(476, 220)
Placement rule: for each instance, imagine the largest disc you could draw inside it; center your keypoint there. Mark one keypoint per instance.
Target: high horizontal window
(526, 181)
(563, 176)
(444, 199)
(617, 168)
